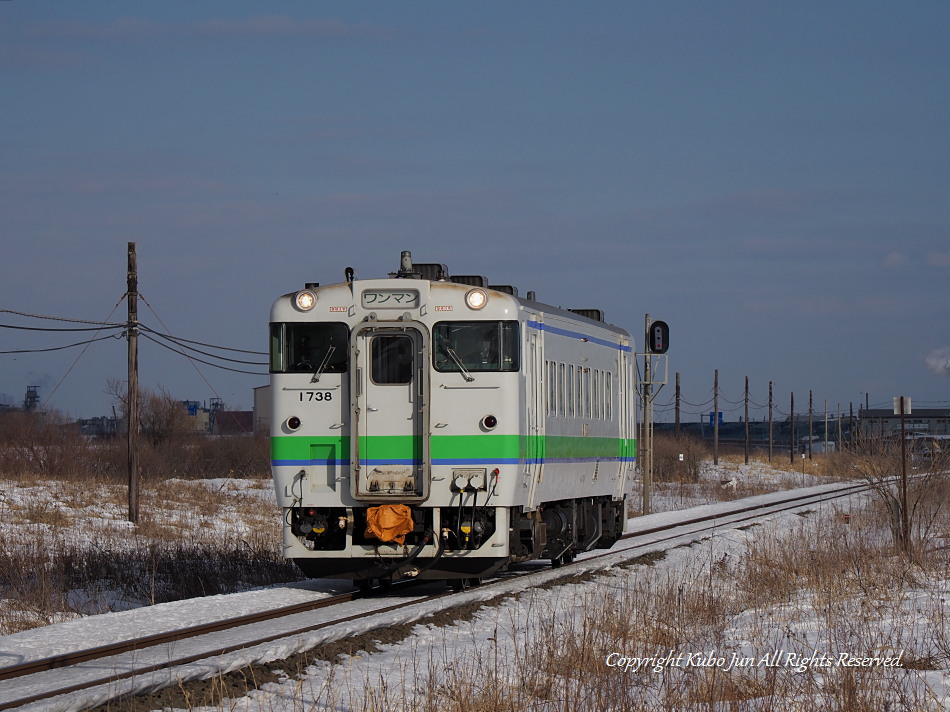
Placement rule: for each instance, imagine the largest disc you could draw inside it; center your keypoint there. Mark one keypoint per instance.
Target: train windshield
(306, 347)
(462, 346)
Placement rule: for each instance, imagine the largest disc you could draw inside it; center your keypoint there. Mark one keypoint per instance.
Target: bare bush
(881, 462)
(34, 445)
(46, 578)
(667, 466)
(44, 445)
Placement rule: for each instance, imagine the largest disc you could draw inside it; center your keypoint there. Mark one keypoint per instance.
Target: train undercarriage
(454, 543)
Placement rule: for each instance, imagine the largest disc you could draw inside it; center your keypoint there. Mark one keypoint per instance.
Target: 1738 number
(314, 396)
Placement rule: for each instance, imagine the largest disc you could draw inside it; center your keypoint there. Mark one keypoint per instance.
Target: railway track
(85, 678)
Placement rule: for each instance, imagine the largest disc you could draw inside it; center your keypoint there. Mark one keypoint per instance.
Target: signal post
(656, 344)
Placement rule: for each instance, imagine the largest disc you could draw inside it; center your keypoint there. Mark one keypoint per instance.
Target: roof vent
(506, 288)
(472, 280)
(432, 271)
(595, 314)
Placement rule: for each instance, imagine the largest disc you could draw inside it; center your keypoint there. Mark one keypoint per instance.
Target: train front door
(390, 452)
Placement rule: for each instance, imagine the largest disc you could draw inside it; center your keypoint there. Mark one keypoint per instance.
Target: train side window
(277, 352)
(609, 397)
(600, 395)
(596, 398)
(551, 388)
(586, 392)
(308, 347)
(578, 392)
(561, 390)
(570, 391)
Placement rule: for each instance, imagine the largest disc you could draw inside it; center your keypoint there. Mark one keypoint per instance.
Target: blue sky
(771, 179)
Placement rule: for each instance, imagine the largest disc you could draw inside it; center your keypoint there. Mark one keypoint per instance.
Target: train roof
(436, 273)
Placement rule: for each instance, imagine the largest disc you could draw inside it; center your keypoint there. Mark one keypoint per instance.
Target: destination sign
(390, 298)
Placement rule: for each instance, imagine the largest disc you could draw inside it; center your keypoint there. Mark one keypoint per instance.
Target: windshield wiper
(458, 362)
(323, 366)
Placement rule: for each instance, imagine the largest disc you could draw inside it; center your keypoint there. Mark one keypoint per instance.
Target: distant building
(882, 422)
(234, 422)
(201, 415)
(32, 399)
(101, 427)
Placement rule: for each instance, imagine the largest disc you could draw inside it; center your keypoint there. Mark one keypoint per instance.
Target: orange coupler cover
(389, 522)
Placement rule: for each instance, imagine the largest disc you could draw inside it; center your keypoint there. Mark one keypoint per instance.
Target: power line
(182, 352)
(81, 353)
(67, 346)
(207, 363)
(181, 343)
(61, 318)
(76, 328)
(211, 346)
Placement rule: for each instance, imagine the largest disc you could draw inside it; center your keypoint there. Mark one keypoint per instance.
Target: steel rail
(64, 660)
(138, 644)
(103, 651)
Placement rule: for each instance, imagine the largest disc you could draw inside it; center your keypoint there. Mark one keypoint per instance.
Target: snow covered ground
(704, 623)
(582, 645)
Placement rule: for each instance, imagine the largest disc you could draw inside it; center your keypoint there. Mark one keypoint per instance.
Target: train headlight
(476, 298)
(293, 422)
(305, 300)
(489, 422)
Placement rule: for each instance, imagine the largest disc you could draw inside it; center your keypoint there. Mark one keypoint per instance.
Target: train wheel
(463, 584)
(364, 585)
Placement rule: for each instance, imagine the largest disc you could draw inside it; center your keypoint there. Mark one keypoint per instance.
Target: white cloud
(895, 260)
(938, 259)
(939, 362)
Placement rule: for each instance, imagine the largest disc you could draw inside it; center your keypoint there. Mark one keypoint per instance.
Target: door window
(391, 356)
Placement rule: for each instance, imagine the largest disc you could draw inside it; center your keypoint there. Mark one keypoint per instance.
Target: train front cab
(425, 453)
(407, 479)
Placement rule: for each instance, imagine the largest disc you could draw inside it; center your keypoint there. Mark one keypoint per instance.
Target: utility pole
(747, 420)
(132, 298)
(677, 402)
(811, 419)
(770, 422)
(716, 418)
(824, 445)
(647, 452)
(904, 408)
(791, 431)
(851, 421)
(838, 446)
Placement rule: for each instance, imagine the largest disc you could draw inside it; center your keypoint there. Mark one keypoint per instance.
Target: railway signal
(658, 337)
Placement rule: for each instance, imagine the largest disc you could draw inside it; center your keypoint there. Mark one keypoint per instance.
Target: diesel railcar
(435, 426)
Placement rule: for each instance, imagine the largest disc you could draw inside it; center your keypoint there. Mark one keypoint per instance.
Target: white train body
(416, 433)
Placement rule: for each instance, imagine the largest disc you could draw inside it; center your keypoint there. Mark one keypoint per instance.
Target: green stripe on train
(456, 447)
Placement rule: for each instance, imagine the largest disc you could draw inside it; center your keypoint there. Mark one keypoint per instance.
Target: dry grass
(839, 585)
(66, 548)
(829, 584)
